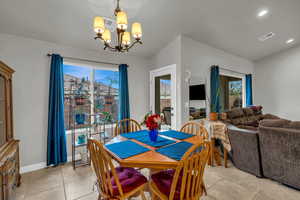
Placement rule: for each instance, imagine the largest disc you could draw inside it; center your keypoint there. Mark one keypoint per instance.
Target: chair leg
(204, 188)
(143, 195)
(225, 157)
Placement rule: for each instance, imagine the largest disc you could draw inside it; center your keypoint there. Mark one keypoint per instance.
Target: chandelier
(123, 39)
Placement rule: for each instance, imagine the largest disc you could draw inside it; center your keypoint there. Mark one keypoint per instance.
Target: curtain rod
(86, 60)
(232, 71)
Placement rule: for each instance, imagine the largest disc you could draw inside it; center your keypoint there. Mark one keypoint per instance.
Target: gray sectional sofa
(279, 142)
(265, 145)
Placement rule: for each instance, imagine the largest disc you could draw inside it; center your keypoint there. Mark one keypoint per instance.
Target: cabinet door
(3, 110)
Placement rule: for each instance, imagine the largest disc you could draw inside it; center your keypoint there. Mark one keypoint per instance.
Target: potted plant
(80, 118)
(107, 117)
(152, 123)
(80, 96)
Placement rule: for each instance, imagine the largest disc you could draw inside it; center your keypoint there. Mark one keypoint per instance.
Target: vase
(81, 139)
(213, 116)
(153, 135)
(80, 119)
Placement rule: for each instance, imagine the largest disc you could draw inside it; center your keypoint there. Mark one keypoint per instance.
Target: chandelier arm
(135, 42)
(107, 45)
(120, 47)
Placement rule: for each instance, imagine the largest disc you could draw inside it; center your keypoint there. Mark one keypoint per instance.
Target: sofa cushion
(280, 123)
(163, 181)
(253, 123)
(270, 116)
(248, 111)
(293, 125)
(129, 179)
(252, 128)
(235, 113)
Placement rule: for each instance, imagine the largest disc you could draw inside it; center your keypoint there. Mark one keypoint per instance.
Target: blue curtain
(124, 111)
(249, 98)
(56, 146)
(215, 89)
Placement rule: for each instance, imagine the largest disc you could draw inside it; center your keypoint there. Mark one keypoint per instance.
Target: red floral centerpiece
(153, 122)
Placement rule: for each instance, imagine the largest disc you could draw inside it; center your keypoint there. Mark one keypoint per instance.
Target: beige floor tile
(222, 184)
(43, 182)
(80, 173)
(262, 196)
(53, 194)
(210, 177)
(92, 196)
(207, 197)
(77, 189)
(226, 190)
(274, 190)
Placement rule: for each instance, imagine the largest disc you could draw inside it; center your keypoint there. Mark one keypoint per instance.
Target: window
(91, 91)
(231, 92)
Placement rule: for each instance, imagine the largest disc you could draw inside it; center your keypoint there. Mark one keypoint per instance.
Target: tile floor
(63, 183)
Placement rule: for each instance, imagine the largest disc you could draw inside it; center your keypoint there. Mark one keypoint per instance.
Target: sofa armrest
(231, 127)
(245, 149)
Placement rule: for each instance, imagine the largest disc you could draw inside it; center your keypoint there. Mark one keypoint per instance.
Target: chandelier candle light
(123, 36)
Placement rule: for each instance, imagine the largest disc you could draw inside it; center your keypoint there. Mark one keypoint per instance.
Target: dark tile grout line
(63, 180)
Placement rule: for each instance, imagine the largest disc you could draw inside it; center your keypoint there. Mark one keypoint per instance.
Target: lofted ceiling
(230, 25)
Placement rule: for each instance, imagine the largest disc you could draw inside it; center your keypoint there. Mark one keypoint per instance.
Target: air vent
(110, 24)
(266, 37)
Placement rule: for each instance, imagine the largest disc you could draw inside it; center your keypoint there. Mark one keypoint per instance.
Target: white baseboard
(42, 165)
(34, 167)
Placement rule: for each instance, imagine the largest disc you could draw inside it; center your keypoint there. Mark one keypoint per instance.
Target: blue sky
(100, 75)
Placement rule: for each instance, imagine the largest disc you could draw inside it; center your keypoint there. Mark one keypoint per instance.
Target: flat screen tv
(197, 92)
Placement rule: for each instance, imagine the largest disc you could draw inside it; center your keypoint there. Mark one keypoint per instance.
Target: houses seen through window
(89, 91)
(231, 92)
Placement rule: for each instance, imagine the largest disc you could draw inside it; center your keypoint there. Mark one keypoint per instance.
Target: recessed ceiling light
(262, 13)
(291, 40)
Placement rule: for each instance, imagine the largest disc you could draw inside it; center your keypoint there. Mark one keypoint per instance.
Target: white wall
(171, 54)
(30, 88)
(277, 82)
(198, 58)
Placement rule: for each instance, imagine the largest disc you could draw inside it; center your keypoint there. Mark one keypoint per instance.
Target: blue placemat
(134, 135)
(176, 134)
(159, 143)
(175, 151)
(126, 149)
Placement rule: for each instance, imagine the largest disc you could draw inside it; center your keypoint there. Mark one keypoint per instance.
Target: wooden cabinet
(9, 147)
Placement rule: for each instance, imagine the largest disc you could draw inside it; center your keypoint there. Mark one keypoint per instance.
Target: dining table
(154, 157)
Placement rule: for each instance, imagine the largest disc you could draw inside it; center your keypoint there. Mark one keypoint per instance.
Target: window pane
(231, 95)
(106, 93)
(77, 86)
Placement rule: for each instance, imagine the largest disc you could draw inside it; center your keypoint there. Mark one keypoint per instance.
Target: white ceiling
(230, 25)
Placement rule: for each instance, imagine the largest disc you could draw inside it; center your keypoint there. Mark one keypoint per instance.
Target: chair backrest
(126, 126)
(104, 169)
(195, 129)
(191, 169)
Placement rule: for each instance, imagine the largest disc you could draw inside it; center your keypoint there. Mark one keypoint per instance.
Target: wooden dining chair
(114, 183)
(185, 182)
(195, 129)
(126, 126)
